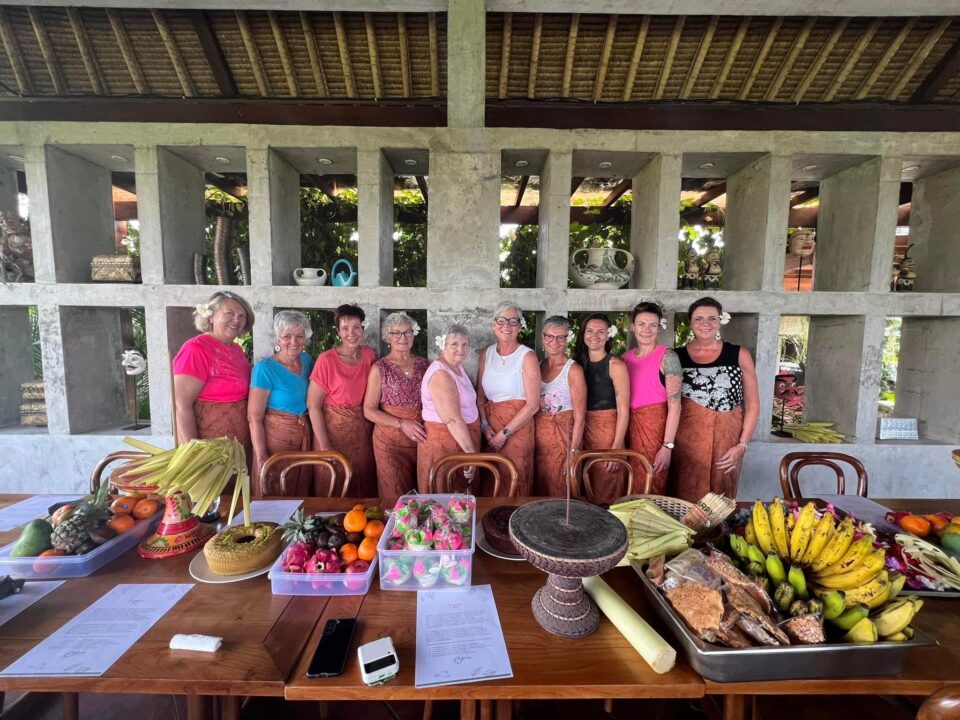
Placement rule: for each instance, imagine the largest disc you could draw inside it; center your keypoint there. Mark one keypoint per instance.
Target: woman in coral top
(335, 401)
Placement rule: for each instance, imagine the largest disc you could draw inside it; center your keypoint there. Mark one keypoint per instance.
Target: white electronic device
(378, 661)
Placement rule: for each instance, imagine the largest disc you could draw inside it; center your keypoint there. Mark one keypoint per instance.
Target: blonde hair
(201, 321)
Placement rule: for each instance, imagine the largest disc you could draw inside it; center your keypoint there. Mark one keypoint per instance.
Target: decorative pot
(802, 243)
(310, 277)
(179, 531)
(601, 271)
(343, 279)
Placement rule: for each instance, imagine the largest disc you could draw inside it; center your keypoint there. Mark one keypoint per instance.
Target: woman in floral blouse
(563, 408)
(720, 407)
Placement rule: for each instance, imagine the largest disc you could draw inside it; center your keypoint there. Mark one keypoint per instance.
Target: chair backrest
(793, 463)
(621, 456)
(110, 458)
(300, 458)
(494, 462)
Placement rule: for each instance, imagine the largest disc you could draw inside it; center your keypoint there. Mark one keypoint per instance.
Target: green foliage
(410, 243)
(701, 238)
(518, 255)
(891, 359)
(142, 381)
(324, 238)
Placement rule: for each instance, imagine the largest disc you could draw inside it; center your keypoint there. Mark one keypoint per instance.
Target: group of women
(690, 411)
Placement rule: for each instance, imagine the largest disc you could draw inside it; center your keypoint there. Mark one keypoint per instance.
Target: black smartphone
(331, 653)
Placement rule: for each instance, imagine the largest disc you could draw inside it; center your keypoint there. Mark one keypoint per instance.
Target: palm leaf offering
(932, 560)
(199, 468)
(651, 531)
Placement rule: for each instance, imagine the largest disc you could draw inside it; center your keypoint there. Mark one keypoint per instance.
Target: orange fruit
(368, 549)
(354, 521)
(146, 508)
(120, 523)
(938, 522)
(916, 525)
(348, 553)
(52, 552)
(123, 505)
(373, 529)
(359, 506)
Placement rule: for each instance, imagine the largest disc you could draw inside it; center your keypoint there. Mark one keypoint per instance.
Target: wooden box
(32, 390)
(115, 268)
(33, 414)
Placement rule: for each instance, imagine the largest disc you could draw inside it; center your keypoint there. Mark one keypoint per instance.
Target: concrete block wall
(847, 308)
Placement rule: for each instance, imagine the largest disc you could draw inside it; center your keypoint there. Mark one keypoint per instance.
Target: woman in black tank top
(608, 402)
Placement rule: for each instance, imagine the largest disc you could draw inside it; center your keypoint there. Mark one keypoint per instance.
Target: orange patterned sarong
(645, 434)
(519, 446)
(349, 432)
(703, 437)
(552, 464)
(285, 432)
(598, 434)
(439, 443)
(396, 454)
(216, 420)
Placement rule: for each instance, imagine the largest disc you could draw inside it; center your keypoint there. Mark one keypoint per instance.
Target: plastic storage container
(74, 566)
(428, 569)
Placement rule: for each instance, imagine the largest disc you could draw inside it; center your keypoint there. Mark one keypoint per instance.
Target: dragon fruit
(296, 556)
(324, 561)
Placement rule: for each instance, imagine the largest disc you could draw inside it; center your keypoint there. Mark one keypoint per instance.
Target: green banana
(851, 559)
(814, 606)
(864, 572)
(897, 581)
(800, 537)
(821, 536)
(739, 546)
(837, 547)
(775, 569)
(754, 568)
(897, 615)
(797, 608)
(778, 527)
(754, 555)
(833, 604)
(783, 596)
(864, 631)
(761, 526)
(750, 534)
(799, 582)
(850, 617)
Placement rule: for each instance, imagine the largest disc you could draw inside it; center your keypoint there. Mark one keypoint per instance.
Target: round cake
(496, 529)
(242, 549)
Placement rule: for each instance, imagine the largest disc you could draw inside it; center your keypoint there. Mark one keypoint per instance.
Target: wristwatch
(484, 425)
(668, 445)
(506, 431)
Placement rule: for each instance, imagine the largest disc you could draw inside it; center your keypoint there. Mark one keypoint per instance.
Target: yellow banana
(778, 526)
(761, 526)
(800, 537)
(821, 536)
(864, 572)
(750, 533)
(837, 546)
(873, 594)
(896, 616)
(897, 581)
(850, 560)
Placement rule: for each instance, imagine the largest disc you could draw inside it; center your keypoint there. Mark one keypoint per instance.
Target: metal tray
(795, 662)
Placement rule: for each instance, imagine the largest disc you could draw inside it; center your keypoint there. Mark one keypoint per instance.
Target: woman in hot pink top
(335, 402)
(211, 374)
(655, 381)
(451, 420)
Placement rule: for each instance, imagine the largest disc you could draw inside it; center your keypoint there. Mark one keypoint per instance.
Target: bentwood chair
(449, 464)
(291, 459)
(589, 458)
(793, 463)
(109, 459)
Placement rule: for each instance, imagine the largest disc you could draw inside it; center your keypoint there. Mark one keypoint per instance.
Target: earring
(717, 336)
(276, 348)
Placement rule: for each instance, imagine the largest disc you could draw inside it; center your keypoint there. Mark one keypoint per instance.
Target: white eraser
(202, 643)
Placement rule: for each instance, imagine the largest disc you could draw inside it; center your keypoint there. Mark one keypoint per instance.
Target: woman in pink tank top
(655, 381)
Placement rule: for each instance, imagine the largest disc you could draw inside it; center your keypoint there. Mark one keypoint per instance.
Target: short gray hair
(507, 305)
(557, 321)
(455, 329)
(291, 318)
(201, 321)
(393, 320)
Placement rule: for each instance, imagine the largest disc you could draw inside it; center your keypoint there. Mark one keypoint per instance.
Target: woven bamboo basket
(115, 268)
(33, 414)
(32, 390)
(674, 507)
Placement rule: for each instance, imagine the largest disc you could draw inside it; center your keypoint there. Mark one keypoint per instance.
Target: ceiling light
(910, 168)
(222, 160)
(325, 161)
(17, 158)
(119, 158)
(410, 161)
(521, 163)
(706, 165)
(808, 168)
(605, 165)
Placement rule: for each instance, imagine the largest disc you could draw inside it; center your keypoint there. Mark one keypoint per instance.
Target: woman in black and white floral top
(720, 407)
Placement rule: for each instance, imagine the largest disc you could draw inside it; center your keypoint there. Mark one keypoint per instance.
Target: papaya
(34, 539)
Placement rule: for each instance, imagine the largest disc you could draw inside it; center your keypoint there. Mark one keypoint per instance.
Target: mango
(34, 539)
(950, 540)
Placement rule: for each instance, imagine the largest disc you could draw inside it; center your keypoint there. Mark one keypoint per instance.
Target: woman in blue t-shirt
(277, 405)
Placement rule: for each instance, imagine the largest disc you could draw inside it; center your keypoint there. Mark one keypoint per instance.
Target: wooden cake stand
(570, 540)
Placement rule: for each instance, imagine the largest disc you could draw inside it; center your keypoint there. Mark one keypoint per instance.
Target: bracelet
(742, 444)
(484, 425)
(400, 426)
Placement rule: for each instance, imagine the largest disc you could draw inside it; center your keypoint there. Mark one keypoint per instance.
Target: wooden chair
(793, 463)
(437, 481)
(942, 705)
(109, 459)
(301, 458)
(589, 458)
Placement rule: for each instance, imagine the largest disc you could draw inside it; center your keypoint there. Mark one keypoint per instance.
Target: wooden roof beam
(422, 184)
(698, 59)
(892, 49)
(851, 60)
(784, 72)
(20, 72)
(86, 52)
(344, 54)
(534, 56)
(434, 55)
(316, 65)
(758, 61)
(668, 60)
(729, 58)
(374, 55)
(947, 68)
(126, 50)
(253, 54)
(917, 60)
(173, 50)
(285, 59)
(820, 59)
(711, 193)
(506, 37)
(214, 54)
(805, 197)
(405, 76)
(571, 49)
(230, 188)
(615, 194)
(524, 179)
(605, 58)
(48, 52)
(635, 58)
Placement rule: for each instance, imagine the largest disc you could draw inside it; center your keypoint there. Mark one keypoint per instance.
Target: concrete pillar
(274, 203)
(856, 228)
(16, 359)
(927, 376)
(263, 310)
(41, 234)
(54, 382)
(8, 189)
(466, 63)
(374, 219)
(159, 369)
(81, 213)
(871, 366)
(148, 214)
(654, 223)
(180, 188)
(833, 371)
(936, 202)
(765, 359)
(464, 217)
(755, 232)
(553, 245)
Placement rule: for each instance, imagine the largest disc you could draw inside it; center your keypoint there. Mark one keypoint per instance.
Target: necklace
(406, 370)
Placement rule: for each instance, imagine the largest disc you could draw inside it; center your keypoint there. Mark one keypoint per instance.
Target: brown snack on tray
(804, 630)
(756, 632)
(699, 606)
(729, 634)
(724, 567)
(743, 602)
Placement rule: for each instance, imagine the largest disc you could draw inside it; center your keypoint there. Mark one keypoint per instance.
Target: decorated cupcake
(419, 540)
(406, 516)
(457, 573)
(460, 509)
(447, 539)
(396, 571)
(426, 572)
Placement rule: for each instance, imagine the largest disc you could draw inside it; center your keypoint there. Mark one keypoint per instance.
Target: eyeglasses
(708, 320)
(397, 334)
(511, 321)
(644, 326)
(554, 338)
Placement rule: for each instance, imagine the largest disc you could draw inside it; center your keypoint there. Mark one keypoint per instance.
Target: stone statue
(907, 273)
(712, 269)
(691, 270)
(134, 363)
(16, 249)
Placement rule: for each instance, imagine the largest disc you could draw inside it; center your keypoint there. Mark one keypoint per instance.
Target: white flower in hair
(724, 318)
(440, 341)
(415, 327)
(612, 331)
(363, 324)
(523, 323)
(663, 323)
(204, 310)
(571, 336)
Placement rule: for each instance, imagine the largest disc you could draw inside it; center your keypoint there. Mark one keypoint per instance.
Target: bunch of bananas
(890, 624)
(814, 432)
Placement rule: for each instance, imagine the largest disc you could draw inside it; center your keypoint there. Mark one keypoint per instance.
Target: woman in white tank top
(508, 394)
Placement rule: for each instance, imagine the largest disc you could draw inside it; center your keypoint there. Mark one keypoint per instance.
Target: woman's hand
(661, 461)
(469, 472)
(614, 466)
(488, 433)
(497, 442)
(731, 458)
(413, 429)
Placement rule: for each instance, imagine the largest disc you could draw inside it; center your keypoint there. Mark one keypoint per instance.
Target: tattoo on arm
(673, 372)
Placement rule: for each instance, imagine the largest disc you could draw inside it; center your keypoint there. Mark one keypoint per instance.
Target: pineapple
(300, 529)
(73, 532)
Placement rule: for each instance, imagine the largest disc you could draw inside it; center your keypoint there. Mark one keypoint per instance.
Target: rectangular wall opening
(22, 393)
(520, 216)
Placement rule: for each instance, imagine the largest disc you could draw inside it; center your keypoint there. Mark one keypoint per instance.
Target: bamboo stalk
(253, 54)
(820, 59)
(86, 53)
(374, 54)
(729, 58)
(316, 65)
(668, 60)
(434, 55)
(571, 49)
(605, 58)
(700, 57)
(534, 56)
(46, 48)
(790, 59)
(344, 54)
(173, 50)
(852, 59)
(404, 54)
(278, 37)
(506, 37)
(758, 61)
(917, 60)
(892, 49)
(635, 59)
